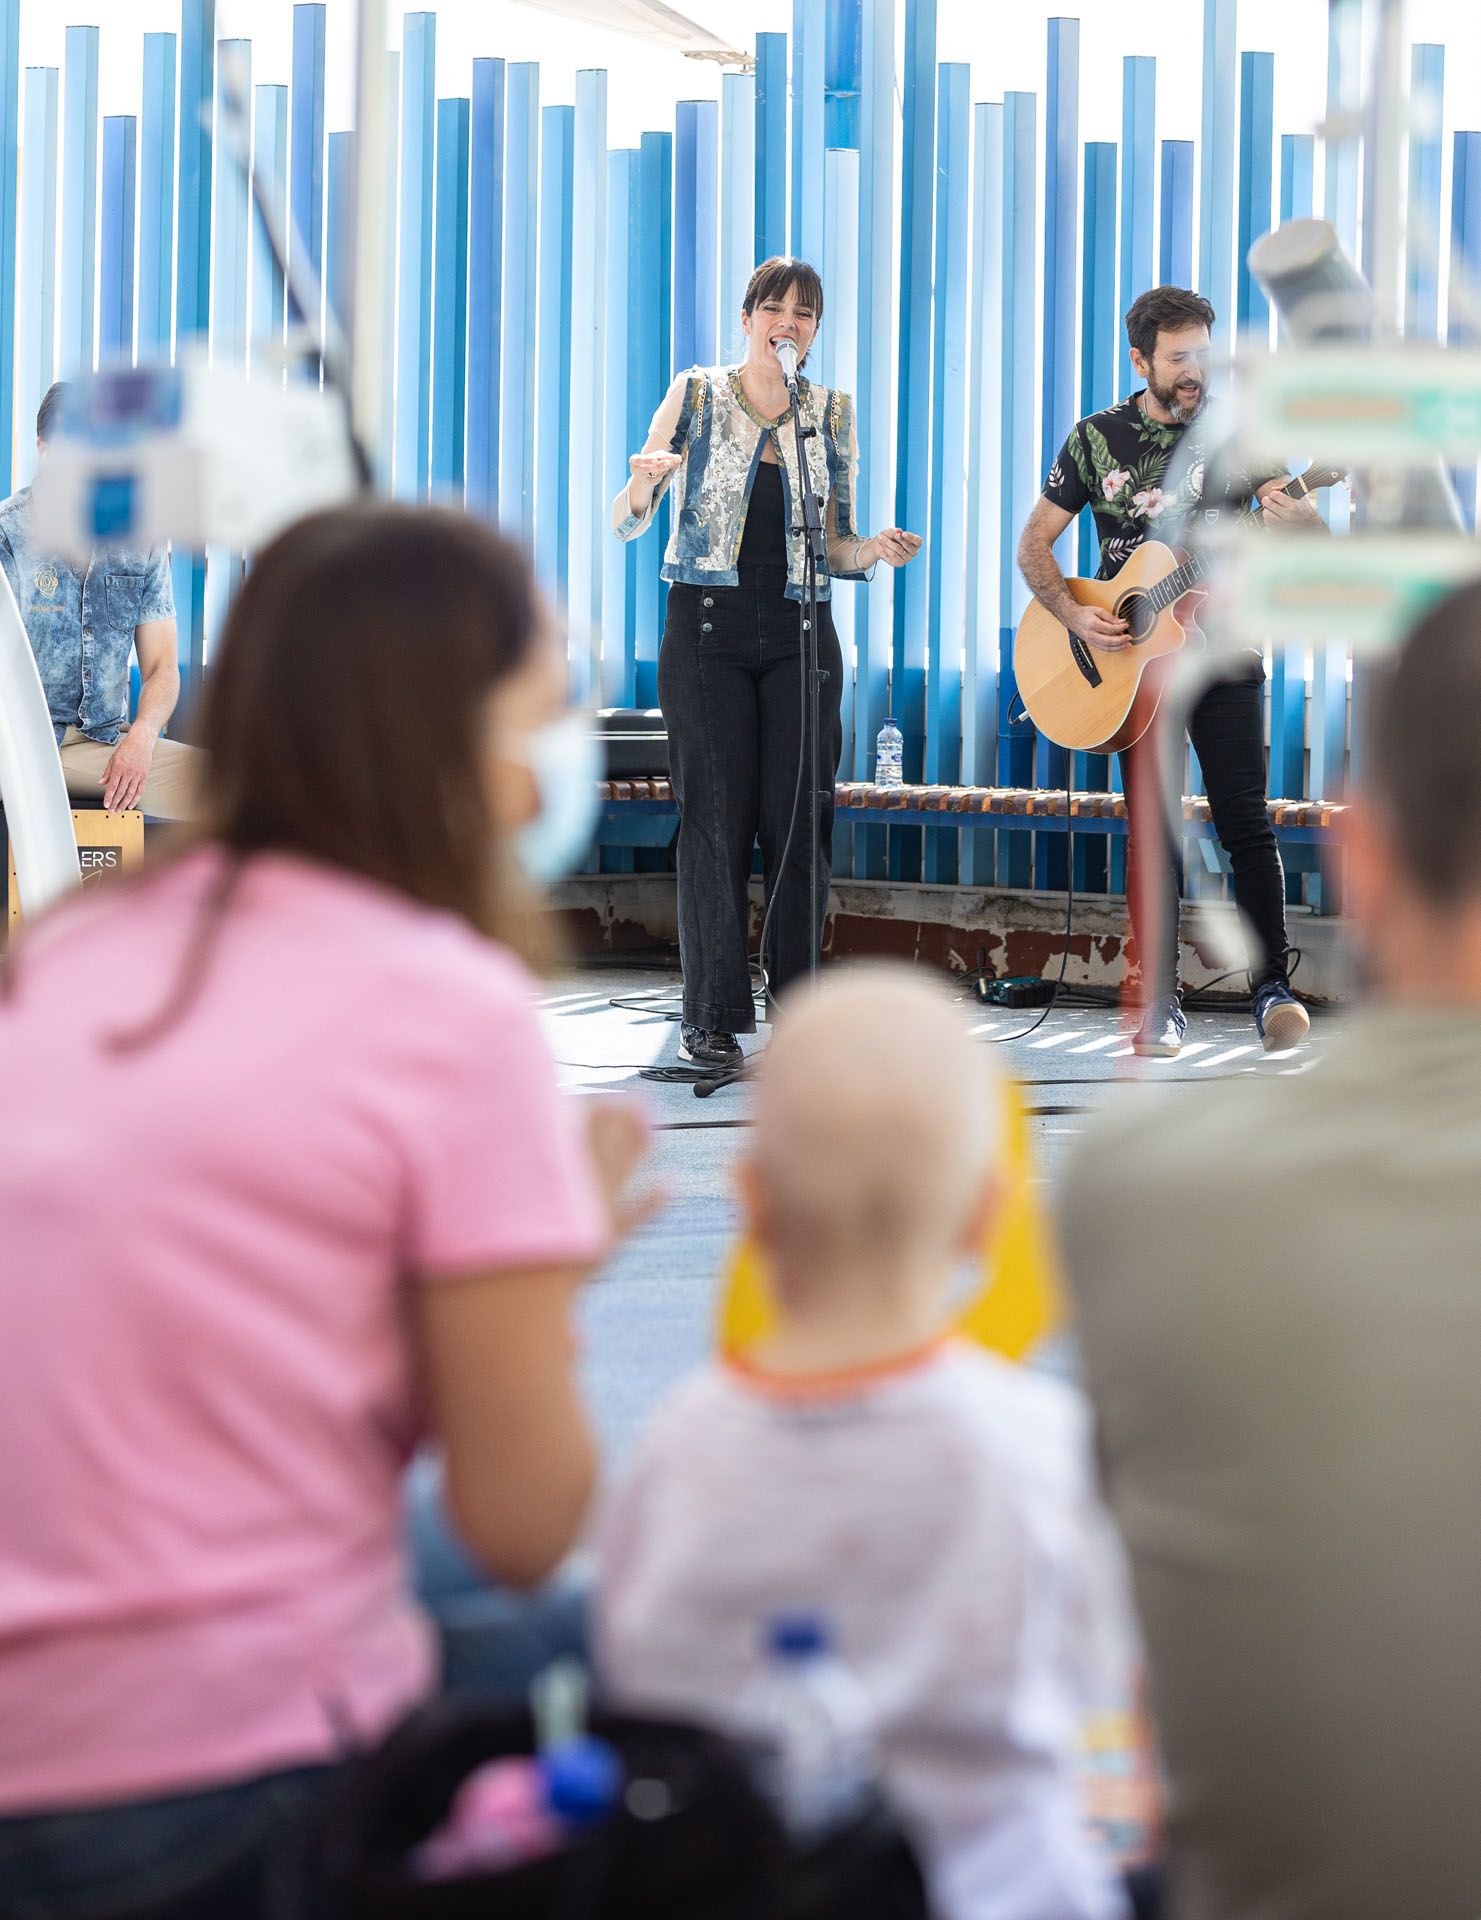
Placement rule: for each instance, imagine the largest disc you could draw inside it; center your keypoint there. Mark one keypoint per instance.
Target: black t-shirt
(1115, 461)
(763, 544)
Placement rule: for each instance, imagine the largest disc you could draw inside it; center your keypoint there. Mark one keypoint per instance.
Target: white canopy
(649, 20)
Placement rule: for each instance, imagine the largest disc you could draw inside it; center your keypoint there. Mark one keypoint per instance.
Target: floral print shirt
(1114, 462)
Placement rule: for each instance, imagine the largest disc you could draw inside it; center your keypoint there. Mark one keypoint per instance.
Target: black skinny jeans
(730, 685)
(1228, 734)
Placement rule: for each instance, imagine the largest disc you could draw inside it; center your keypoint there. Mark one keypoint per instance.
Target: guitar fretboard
(1174, 585)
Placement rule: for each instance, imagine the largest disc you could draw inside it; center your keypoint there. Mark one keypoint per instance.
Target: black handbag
(690, 1838)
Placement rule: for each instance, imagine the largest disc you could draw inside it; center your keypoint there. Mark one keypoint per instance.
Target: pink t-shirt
(205, 1366)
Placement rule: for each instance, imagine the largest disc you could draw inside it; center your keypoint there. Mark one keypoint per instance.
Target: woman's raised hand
(650, 468)
(895, 546)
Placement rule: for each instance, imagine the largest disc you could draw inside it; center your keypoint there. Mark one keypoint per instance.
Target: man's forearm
(157, 698)
(1037, 564)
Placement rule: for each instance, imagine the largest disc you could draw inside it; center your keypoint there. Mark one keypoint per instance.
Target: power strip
(1021, 990)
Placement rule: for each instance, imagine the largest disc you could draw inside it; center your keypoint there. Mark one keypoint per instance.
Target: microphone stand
(815, 557)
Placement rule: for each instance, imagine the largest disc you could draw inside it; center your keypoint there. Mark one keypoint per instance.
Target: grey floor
(648, 1318)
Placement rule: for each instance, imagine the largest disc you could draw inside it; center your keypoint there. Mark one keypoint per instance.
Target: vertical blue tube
(486, 287)
(157, 197)
(116, 289)
(1465, 268)
(1422, 227)
(589, 497)
(948, 523)
(385, 454)
(270, 138)
(38, 272)
(307, 177)
(874, 619)
(193, 238)
(193, 279)
(1020, 477)
(450, 300)
(838, 367)
(1175, 250)
(1344, 94)
(809, 93)
(1100, 338)
(231, 222)
(521, 263)
(771, 145)
(1061, 196)
(619, 558)
(1099, 328)
(1216, 157)
(1138, 173)
(737, 205)
(984, 480)
(1288, 665)
(553, 369)
(650, 356)
(1297, 172)
(10, 141)
(696, 240)
(337, 216)
(231, 218)
(1256, 160)
(845, 62)
(912, 479)
(414, 266)
(79, 199)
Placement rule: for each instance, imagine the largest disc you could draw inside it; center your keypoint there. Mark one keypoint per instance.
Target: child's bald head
(877, 1124)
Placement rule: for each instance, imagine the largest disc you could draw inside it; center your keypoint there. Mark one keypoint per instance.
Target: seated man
(1280, 1320)
(82, 628)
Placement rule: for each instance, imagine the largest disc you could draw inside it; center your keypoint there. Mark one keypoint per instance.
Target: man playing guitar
(1114, 462)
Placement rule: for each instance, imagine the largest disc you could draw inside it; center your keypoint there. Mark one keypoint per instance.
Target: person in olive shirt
(1115, 463)
(83, 628)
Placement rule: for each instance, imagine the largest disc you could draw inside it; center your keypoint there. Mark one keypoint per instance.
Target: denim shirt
(81, 625)
(707, 419)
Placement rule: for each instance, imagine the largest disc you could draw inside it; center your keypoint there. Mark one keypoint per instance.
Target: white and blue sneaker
(1160, 1036)
(1280, 1019)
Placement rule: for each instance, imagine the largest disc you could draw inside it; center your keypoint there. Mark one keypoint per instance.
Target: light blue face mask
(565, 758)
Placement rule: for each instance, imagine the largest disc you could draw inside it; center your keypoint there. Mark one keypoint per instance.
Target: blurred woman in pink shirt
(286, 1186)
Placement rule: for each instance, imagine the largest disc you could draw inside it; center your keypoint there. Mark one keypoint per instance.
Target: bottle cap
(797, 1636)
(583, 1778)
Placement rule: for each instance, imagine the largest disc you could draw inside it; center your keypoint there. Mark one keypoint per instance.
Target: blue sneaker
(1160, 1036)
(1280, 1019)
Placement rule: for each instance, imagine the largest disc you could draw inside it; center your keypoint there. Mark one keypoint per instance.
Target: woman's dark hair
(346, 721)
(1164, 310)
(774, 277)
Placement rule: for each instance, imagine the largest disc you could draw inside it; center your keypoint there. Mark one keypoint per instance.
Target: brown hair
(1424, 751)
(51, 401)
(1164, 310)
(775, 277)
(345, 720)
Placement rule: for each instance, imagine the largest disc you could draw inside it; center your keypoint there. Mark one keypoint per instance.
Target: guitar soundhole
(1138, 613)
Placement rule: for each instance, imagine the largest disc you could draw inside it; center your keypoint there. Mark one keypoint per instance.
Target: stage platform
(648, 1318)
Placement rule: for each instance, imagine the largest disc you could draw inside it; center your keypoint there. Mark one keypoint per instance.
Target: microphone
(786, 353)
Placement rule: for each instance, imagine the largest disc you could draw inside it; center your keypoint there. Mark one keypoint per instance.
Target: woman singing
(730, 670)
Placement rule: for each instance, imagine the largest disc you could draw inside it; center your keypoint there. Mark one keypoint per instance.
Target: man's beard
(1182, 411)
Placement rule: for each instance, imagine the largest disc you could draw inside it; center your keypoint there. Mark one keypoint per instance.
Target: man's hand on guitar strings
(1100, 630)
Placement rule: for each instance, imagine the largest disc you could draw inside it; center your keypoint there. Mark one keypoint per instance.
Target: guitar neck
(1172, 586)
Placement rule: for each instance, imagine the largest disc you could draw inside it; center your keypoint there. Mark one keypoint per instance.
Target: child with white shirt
(931, 1501)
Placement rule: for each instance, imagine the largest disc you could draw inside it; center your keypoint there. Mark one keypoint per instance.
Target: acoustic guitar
(1097, 701)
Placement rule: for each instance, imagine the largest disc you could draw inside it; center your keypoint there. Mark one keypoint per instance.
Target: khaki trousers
(169, 792)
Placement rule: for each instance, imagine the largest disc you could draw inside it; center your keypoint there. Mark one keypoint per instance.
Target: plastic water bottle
(888, 751)
(817, 1764)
